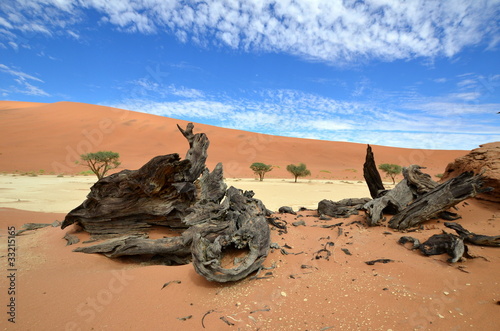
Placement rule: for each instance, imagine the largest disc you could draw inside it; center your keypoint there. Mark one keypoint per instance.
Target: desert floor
(57, 289)
(50, 193)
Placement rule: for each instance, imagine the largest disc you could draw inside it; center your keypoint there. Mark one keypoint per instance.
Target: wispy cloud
(440, 80)
(457, 108)
(155, 88)
(23, 85)
(200, 109)
(299, 114)
(333, 31)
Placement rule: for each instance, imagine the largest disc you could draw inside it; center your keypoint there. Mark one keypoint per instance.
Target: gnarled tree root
(169, 192)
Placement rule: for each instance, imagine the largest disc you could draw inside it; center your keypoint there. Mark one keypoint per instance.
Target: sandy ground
(57, 289)
(49, 193)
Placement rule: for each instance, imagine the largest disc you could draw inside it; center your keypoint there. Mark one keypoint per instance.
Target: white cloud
(13, 45)
(22, 79)
(6, 24)
(32, 90)
(434, 125)
(457, 108)
(155, 88)
(18, 74)
(465, 96)
(331, 125)
(191, 109)
(185, 92)
(73, 34)
(440, 80)
(333, 31)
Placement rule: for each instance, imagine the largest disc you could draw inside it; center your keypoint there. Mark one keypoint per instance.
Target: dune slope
(50, 137)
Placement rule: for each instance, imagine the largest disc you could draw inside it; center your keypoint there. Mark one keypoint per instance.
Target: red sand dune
(51, 137)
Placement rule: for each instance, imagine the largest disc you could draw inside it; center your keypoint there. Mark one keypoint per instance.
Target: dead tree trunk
(168, 192)
(414, 184)
(343, 208)
(371, 174)
(417, 197)
(159, 193)
(439, 199)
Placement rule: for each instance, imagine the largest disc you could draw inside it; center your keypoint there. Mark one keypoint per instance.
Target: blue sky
(416, 74)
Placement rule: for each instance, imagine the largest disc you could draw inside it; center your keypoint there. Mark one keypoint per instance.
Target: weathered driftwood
(286, 210)
(417, 198)
(371, 174)
(36, 226)
(451, 244)
(414, 184)
(71, 239)
(243, 226)
(440, 244)
(169, 192)
(470, 237)
(343, 208)
(159, 193)
(437, 200)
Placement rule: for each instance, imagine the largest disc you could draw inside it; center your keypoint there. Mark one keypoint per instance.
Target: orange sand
(62, 290)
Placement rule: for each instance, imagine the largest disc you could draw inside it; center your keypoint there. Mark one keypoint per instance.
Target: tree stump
(371, 174)
(169, 192)
(414, 184)
(438, 200)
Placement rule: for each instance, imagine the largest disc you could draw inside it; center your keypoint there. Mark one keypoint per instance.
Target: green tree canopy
(261, 169)
(391, 170)
(101, 162)
(299, 170)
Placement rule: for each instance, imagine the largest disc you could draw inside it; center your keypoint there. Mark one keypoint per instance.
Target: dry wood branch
(416, 187)
(440, 244)
(437, 200)
(343, 208)
(470, 237)
(393, 201)
(371, 174)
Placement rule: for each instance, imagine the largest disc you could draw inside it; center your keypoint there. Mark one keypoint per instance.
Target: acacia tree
(101, 162)
(391, 170)
(261, 169)
(299, 170)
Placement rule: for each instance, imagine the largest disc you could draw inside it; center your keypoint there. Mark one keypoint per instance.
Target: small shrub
(101, 162)
(261, 169)
(299, 170)
(391, 170)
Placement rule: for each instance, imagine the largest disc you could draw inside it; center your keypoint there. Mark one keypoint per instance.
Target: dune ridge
(50, 137)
